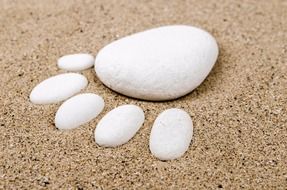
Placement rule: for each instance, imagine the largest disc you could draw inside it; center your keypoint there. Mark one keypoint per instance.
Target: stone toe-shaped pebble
(158, 64)
(78, 110)
(171, 134)
(119, 125)
(76, 62)
(58, 88)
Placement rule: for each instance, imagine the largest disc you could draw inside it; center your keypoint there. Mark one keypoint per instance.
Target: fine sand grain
(239, 112)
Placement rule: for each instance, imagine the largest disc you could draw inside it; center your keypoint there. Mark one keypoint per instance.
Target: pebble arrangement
(158, 64)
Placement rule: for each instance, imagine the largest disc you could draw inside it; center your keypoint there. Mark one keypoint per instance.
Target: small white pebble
(58, 88)
(76, 62)
(79, 110)
(119, 126)
(171, 134)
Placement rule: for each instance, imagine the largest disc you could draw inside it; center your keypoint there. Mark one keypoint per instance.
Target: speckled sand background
(239, 112)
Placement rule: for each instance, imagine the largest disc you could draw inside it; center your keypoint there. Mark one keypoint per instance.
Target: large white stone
(171, 134)
(76, 62)
(119, 126)
(78, 110)
(58, 88)
(158, 64)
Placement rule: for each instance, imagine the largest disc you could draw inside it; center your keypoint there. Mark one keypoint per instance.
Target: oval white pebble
(171, 134)
(79, 110)
(119, 125)
(58, 88)
(158, 64)
(76, 62)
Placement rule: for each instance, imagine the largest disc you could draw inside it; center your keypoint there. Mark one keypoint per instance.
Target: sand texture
(239, 112)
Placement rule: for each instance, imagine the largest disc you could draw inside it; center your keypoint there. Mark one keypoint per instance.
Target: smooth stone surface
(158, 64)
(76, 62)
(171, 134)
(58, 88)
(78, 110)
(119, 125)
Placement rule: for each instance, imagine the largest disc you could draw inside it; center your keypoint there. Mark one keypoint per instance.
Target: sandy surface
(239, 112)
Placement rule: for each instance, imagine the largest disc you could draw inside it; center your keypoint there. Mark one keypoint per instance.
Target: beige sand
(239, 112)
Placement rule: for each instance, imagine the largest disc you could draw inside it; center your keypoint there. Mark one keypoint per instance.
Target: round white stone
(158, 64)
(78, 110)
(171, 134)
(119, 126)
(58, 88)
(76, 62)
